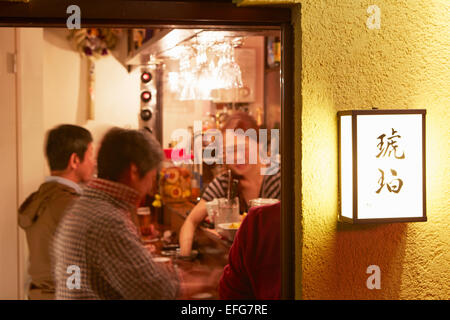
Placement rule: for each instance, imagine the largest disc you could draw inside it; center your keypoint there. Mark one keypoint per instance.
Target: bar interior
(181, 86)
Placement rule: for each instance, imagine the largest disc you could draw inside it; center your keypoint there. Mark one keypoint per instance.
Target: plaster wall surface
(405, 64)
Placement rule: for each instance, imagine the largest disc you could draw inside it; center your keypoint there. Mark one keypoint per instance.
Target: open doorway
(256, 33)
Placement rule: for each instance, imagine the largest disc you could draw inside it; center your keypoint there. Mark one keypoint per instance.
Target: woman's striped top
(270, 187)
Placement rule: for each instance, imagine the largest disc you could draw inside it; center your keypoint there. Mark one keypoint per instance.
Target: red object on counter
(179, 153)
(168, 153)
(253, 270)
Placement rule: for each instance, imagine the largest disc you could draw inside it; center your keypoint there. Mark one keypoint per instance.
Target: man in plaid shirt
(97, 252)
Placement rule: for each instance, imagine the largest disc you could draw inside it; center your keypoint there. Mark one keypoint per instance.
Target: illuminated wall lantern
(382, 166)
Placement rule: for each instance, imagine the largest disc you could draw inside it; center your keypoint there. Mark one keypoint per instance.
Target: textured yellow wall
(404, 64)
(264, 2)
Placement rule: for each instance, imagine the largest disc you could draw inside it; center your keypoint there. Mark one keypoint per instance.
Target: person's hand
(150, 247)
(199, 279)
(153, 231)
(185, 251)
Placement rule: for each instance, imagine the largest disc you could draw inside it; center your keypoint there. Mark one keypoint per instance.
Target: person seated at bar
(252, 183)
(70, 156)
(98, 235)
(253, 271)
(97, 250)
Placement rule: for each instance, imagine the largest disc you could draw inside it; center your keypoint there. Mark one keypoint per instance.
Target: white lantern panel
(346, 167)
(389, 166)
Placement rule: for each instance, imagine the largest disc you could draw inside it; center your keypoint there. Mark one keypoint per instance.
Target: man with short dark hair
(97, 250)
(70, 156)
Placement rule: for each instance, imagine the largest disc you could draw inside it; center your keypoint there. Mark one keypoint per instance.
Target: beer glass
(144, 218)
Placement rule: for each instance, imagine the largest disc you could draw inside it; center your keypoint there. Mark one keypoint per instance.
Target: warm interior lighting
(146, 77)
(173, 80)
(387, 164)
(146, 96)
(346, 166)
(206, 63)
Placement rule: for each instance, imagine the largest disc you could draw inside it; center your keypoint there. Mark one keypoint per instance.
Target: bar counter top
(176, 213)
(211, 247)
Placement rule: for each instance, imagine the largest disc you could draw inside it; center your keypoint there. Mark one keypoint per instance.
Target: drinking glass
(212, 208)
(228, 211)
(144, 218)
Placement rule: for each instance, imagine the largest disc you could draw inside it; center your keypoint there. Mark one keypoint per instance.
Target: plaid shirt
(99, 238)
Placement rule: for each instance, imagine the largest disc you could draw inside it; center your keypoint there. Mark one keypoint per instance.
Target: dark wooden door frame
(123, 13)
(212, 15)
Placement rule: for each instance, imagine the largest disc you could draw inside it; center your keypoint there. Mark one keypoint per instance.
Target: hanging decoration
(93, 43)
